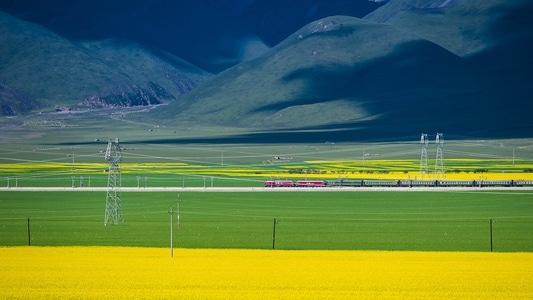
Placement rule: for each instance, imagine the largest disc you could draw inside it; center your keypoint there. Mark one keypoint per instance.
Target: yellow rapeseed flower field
(456, 169)
(150, 273)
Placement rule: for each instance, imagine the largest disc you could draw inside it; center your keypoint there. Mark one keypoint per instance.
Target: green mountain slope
(43, 69)
(458, 26)
(334, 71)
(410, 66)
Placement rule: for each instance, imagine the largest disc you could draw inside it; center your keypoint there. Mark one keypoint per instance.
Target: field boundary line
(265, 189)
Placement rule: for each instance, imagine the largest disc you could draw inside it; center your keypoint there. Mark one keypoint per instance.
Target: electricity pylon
(113, 205)
(424, 155)
(439, 161)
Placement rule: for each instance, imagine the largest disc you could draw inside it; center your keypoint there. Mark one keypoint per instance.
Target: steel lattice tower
(439, 161)
(113, 205)
(424, 155)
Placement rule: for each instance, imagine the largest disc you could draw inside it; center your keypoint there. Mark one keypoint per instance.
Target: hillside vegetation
(336, 70)
(455, 66)
(408, 66)
(41, 69)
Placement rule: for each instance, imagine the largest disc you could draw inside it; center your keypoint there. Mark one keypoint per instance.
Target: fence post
(274, 234)
(171, 233)
(490, 226)
(29, 232)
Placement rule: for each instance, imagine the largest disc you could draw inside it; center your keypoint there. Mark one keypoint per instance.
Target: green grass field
(67, 156)
(196, 165)
(454, 221)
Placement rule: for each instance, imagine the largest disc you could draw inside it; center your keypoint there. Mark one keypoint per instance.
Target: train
(398, 183)
(299, 183)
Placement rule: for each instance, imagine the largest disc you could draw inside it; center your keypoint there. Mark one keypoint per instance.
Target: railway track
(264, 189)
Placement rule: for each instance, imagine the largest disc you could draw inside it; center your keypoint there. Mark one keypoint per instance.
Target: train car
(460, 183)
(495, 183)
(348, 182)
(311, 183)
(279, 183)
(405, 183)
(345, 182)
(424, 183)
(334, 182)
(386, 183)
(523, 183)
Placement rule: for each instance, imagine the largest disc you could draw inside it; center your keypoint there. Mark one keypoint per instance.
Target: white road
(265, 189)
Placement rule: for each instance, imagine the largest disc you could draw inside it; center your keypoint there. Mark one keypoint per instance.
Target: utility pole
(171, 234)
(274, 234)
(491, 223)
(439, 160)
(29, 232)
(178, 211)
(424, 154)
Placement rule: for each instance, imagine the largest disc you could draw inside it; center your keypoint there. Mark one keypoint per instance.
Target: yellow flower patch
(150, 273)
(455, 169)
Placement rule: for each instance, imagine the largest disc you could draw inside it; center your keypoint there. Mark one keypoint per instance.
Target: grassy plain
(454, 221)
(69, 152)
(153, 158)
(150, 162)
(149, 273)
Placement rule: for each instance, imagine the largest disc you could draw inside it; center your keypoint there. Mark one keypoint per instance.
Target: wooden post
(29, 232)
(171, 234)
(274, 234)
(178, 211)
(490, 225)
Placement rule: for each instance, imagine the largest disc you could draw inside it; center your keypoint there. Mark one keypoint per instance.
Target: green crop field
(196, 165)
(415, 220)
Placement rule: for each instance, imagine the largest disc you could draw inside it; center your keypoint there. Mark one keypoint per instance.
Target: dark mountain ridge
(454, 66)
(47, 70)
(388, 78)
(211, 34)
(127, 53)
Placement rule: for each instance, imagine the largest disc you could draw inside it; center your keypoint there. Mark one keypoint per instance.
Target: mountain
(210, 34)
(81, 53)
(455, 66)
(319, 75)
(374, 68)
(39, 68)
(462, 27)
(13, 102)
